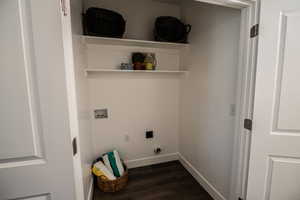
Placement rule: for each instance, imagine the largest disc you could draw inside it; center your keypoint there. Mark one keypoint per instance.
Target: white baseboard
(91, 190)
(151, 160)
(214, 193)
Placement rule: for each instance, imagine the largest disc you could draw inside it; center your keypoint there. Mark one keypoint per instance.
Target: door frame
(244, 92)
(71, 95)
(244, 98)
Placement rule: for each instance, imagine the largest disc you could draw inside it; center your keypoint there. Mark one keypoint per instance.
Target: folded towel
(107, 163)
(115, 163)
(119, 162)
(100, 166)
(98, 172)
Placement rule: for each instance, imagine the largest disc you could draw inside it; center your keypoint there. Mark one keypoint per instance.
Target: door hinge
(248, 124)
(74, 146)
(254, 31)
(64, 7)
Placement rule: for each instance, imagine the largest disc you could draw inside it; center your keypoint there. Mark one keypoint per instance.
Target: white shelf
(132, 42)
(89, 71)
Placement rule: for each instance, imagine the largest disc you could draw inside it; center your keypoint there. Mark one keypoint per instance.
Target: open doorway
(216, 69)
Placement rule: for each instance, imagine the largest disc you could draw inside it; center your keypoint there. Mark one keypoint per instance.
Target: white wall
(140, 15)
(84, 120)
(111, 56)
(135, 102)
(206, 124)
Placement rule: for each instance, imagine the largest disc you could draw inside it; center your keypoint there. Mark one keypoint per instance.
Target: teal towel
(113, 164)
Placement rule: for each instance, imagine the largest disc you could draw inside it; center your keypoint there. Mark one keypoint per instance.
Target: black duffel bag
(104, 23)
(171, 29)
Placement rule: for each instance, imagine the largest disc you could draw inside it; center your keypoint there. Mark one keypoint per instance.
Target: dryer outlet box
(101, 113)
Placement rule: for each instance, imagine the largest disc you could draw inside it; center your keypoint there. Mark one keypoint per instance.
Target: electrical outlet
(157, 150)
(149, 134)
(101, 113)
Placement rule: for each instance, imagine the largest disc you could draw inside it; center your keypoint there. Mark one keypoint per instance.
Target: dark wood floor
(167, 181)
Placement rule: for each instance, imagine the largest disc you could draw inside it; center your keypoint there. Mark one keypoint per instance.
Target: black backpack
(171, 29)
(104, 23)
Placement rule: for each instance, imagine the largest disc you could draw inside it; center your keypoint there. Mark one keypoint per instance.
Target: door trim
(71, 95)
(244, 99)
(245, 92)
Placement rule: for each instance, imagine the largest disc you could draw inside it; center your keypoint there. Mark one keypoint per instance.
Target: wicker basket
(115, 185)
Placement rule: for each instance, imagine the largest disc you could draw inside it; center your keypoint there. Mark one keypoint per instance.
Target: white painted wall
(206, 125)
(135, 102)
(140, 15)
(81, 83)
(111, 56)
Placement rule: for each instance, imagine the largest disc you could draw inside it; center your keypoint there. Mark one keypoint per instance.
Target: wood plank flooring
(166, 181)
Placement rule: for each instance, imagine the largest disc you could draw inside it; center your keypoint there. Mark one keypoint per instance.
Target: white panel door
(275, 150)
(35, 149)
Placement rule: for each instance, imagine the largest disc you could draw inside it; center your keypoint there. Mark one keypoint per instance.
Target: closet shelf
(89, 71)
(132, 42)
